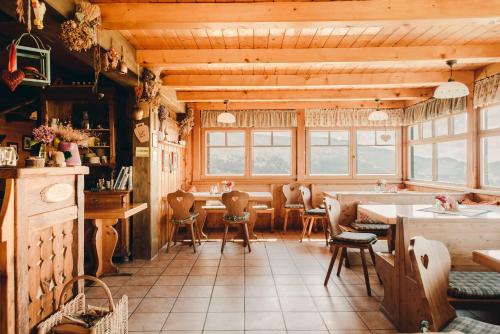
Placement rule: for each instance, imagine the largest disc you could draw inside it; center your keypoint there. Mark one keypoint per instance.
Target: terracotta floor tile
(177, 271)
(166, 291)
(230, 280)
(155, 305)
(196, 291)
(264, 320)
(185, 321)
(364, 303)
(258, 280)
(132, 291)
(225, 321)
(260, 291)
(212, 270)
(292, 291)
(332, 304)
(227, 305)
(147, 321)
(342, 320)
(324, 291)
(303, 321)
(200, 280)
(171, 280)
(190, 305)
(142, 280)
(228, 291)
(288, 280)
(296, 304)
(260, 304)
(375, 320)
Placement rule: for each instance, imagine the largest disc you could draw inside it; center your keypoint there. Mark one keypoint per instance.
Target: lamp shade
(226, 118)
(450, 90)
(378, 115)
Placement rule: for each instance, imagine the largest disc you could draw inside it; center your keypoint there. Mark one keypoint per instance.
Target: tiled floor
(275, 289)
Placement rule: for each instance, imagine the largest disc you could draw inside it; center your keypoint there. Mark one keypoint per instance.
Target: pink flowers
(441, 198)
(44, 134)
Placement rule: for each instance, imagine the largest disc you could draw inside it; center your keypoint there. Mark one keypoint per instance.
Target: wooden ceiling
(249, 51)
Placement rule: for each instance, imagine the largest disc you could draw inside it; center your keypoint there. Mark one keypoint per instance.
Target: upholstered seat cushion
(370, 227)
(471, 326)
(189, 219)
(369, 221)
(294, 206)
(260, 207)
(358, 238)
(237, 219)
(315, 212)
(477, 285)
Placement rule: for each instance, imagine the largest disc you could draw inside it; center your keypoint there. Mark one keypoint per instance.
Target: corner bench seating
(474, 285)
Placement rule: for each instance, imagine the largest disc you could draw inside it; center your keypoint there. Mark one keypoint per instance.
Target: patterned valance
(350, 117)
(487, 91)
(434, 108)
(252, 119)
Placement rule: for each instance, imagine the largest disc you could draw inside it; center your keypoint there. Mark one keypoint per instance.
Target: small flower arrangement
(380, 185)
(43, 134)
(446, 203)
(70, 135)
(228, 185)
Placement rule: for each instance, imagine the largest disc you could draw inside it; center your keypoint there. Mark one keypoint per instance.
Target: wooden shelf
(107, 146)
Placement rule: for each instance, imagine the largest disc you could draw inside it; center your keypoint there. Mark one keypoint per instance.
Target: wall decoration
(186, 125)
(20, 10)
(12, 77)
(151, 87)
(39, 10)
(80, 34)
(154, 139)
(165, 161)
(142, 151)
(13, 145)
(141, 131)
(110, 60)
(175, 161)
(27, 142)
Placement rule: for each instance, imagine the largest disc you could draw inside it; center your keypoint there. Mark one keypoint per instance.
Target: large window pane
(272, 153)
(376, 152)
(427, 129)
(225, 153)
(329, 152)
(421, 162)
(490, 158)
(460, 123)
(452, 161)
(226, 160)
(441, 126)
(490, 117)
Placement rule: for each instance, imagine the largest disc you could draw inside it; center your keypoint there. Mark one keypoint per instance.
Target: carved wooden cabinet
(41, 242)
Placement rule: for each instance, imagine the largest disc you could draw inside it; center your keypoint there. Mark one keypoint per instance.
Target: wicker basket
(115, 322)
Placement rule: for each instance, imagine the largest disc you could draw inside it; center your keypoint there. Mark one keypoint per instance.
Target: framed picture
(166, 161)
(175, 160)
(27, 143)
(14, 145)
(154, 139)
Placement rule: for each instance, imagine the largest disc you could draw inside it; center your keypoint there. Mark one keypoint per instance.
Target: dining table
(255, 197)
(105, 236)
(388, 214)
(489, 258)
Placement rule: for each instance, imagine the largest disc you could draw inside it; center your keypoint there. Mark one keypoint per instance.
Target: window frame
(434, 140)
(292, 151)
(482, 133)
(205, 151)
(353, 154)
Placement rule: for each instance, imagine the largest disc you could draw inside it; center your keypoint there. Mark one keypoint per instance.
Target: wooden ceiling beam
(364, 80)
(294, 105)
(306, 95)
(426, 54)
(146, 15)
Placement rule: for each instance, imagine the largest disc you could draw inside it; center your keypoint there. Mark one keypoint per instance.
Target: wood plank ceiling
(248, 51)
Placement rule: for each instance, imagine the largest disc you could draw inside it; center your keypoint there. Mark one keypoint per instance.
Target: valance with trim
(433, 108)
(487, 91)
(350, 117)
(252, 119)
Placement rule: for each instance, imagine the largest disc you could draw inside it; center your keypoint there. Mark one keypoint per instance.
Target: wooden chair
(263, 209)
(311, 214)
(292, 203)
(431, 263)
(181, 203)
(236, 204)
(341, 240)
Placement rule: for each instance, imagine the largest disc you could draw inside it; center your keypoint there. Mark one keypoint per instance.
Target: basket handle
(90, 278)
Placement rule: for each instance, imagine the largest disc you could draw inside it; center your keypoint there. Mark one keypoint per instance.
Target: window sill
(453, 187)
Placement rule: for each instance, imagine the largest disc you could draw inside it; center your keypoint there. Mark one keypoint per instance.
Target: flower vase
(72, 148)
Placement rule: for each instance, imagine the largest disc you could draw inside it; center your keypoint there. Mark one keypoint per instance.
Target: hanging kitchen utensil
(12, 77)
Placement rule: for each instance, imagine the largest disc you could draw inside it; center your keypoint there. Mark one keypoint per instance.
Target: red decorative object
(12, 77)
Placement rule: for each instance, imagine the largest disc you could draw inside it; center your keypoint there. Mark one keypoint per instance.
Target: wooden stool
(264, 209)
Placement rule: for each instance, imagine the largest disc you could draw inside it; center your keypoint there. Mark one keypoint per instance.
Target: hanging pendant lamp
(226, 117)
(377, 114)
(451, 89)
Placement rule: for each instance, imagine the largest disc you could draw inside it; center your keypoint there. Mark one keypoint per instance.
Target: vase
(72, 148)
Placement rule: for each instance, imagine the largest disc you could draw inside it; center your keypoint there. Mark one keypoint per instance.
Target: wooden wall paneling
(7, 313)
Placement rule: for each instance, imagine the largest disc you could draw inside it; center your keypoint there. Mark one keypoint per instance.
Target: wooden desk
(105, 236)
(200, 199)
(487, 258)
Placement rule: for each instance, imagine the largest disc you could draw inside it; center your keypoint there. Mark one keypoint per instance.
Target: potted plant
(42, 136)
(67, 141)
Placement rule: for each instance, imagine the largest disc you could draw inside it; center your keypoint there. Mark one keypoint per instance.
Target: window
(441, 153)
(413, 132)
(225, 153)
(272, 153)
(376, 152)
(421, 162)
(329, 152)
(490, 146)
(451, 157)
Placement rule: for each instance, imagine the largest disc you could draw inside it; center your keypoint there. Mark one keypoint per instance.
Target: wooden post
(301, 145)
(473, 176)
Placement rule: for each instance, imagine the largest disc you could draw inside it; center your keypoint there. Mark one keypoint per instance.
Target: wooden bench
(402, 303)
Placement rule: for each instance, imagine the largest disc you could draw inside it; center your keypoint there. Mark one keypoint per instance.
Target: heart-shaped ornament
(234, 198)
(425, 260)
(385, 137)
(12, 80)
(179, 199)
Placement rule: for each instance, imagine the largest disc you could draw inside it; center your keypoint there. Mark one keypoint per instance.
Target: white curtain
(252, 118)
(487, 91)
(434, 108)
(350, 117)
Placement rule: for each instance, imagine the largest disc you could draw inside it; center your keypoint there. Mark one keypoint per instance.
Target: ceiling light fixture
(377, 114)
(451, 89)
(226, 117)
